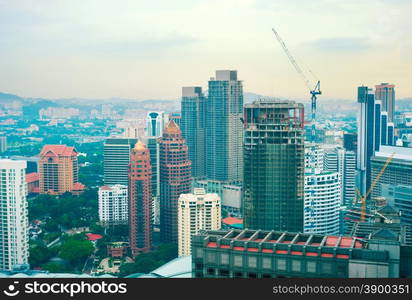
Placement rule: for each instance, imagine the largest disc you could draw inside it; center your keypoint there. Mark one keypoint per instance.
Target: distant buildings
(113, 204)
(398, 171)
(193, 108)
(175, 179)
(224, 132)
(197, 211)
(116, 160)
(140, 200)
(58, 170)
(14, 239)
(273, 165)
(58, 113)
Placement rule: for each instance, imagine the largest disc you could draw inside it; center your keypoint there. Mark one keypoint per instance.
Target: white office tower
(113, 204)
(322, 203)
(338, 159)
(14, 239)
(314, 157)
(197, 211)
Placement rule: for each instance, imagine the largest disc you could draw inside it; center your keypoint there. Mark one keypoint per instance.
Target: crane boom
(291, 59)
(314, 92)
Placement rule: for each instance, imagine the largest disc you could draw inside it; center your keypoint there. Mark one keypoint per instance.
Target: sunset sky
(150, 49)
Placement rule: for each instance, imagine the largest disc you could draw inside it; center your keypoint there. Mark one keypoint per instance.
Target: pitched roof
(32, 177)
(140, 146)
(58, 150)
(172, 128)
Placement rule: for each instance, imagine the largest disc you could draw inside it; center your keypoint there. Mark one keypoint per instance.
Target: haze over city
(148, 50)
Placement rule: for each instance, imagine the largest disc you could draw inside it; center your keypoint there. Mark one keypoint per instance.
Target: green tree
(76, 251)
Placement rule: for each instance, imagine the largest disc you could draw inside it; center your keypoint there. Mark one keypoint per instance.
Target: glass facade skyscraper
(224, 127)
(274, 165)
(193, 127)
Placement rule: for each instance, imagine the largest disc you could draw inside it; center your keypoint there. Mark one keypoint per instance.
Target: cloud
(340, 44)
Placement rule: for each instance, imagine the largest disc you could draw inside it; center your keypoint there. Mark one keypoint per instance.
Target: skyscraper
(197, 211)
(343, 161)
(193, 127)
(274, 165)
(155, 122)
(14, 239)
(224, 127)
(366, 138)
(175, 179)
(140, 200)
(58, 169)
(113, 204)
(116, 160)
(386, 93)
(3, 144)
(350, 141)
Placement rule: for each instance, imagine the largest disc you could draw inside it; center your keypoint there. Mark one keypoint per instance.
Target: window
(266, 263)
(238, 260)
(252, 261)
(281, 264)
(296, 265)
(211, 257)
(224, 258)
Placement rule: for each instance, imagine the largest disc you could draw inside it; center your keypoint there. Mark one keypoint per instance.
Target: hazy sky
(150, 49)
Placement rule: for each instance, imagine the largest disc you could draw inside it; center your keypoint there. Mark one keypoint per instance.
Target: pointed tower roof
(140, 146)
(172, 128)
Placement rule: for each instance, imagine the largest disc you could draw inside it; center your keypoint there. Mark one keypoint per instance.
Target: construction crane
(313, 92)
(372, 186)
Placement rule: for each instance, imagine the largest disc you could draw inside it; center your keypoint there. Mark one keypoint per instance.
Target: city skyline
(120, 52)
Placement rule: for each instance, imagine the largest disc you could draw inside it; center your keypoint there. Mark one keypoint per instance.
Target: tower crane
(313, 92)
(372, 186)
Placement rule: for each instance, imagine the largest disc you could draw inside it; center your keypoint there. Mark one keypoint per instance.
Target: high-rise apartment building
(322, 203)
(116, 160)
(14, 224)
(140, 200)
(175, 179)
(193, 107)
(196, 212)
(113, 204)
(224, 127)
(58, 169)
(274, 165)
(397, 172)
(386, 93)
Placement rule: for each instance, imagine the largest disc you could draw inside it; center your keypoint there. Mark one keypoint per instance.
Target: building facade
(116, 160)
(14, 224)
(113, 205)
(175, 179)
(140, 200)
(224, 132)
(271, 254)
(397, 172)
(273, 165)
(3, 144)
(386, 93)
(193, 108)
(197, 211)
(58, 169)
(155, 122)
(322, 203)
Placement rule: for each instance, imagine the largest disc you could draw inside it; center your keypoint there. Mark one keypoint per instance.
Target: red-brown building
(32, 180)
(140, 200)
(58, 170)
(175, 179)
